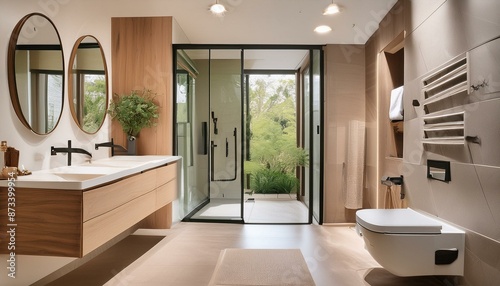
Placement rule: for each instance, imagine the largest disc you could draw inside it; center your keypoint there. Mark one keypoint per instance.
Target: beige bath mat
(261, 267)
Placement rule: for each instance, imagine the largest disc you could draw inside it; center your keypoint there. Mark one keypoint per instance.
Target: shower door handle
(204, 137)
(227, 148)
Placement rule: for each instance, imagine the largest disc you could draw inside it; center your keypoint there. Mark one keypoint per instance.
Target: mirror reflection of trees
(94, 107)
(88, 84)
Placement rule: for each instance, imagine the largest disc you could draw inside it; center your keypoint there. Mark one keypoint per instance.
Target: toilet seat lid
(397, 221)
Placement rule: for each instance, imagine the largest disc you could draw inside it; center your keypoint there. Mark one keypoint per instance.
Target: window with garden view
(271, 134)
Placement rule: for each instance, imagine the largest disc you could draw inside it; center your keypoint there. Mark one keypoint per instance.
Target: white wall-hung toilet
(408, 243)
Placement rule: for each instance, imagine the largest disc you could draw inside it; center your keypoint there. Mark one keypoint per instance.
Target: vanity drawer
(103, 228)
(166, 174)
(103, 199)
(166, 194)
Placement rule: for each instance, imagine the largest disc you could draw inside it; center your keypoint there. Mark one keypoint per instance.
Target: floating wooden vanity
(72, 223)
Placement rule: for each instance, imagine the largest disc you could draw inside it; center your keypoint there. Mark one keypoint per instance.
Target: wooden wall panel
(383, 73)
(344, 101)
(370, 199)
(142, 58)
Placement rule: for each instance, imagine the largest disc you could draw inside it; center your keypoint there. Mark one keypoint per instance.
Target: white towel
(396, 107)
(355, 165)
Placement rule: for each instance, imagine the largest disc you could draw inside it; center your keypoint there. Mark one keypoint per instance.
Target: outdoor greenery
(274, 154)
(268, 181)
(134, 111)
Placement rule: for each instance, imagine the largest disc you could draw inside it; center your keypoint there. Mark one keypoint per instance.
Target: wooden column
(141, 58)
(141, 55)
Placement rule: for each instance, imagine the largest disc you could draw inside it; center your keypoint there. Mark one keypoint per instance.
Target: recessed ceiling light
(331, 9)
(322, 29)
(217, 8)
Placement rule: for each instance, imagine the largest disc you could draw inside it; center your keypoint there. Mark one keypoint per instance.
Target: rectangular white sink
(89, 175)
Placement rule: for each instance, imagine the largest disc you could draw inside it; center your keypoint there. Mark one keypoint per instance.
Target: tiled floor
(188, 253)
(264, 208)
(335, 255)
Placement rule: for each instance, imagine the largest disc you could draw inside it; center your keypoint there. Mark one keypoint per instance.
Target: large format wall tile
(413, 150)
(490, 182)
(417, 11)
(484, 61)
(480, 18)
(437, 40)
(441, 37)
(417, 188)
(482, 260)
(483, 120)
(436, 32)
(414, 61)
(461, 201)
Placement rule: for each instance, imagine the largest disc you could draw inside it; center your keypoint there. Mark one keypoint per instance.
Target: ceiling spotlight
(217, 8)
(322, 29)
(331, 9)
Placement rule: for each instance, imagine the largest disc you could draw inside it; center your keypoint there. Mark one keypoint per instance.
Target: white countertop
(89, 175)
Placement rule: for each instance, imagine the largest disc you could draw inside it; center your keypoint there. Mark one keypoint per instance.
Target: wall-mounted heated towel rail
(444, 93)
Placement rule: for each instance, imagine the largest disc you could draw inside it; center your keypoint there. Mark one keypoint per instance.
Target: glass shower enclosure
(209, 123)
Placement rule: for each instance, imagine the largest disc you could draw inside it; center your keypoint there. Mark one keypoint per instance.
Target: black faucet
(69, 150)
(111, 145)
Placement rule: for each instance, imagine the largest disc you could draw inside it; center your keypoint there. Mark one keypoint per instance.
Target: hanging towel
(396, 107)
(355, 165)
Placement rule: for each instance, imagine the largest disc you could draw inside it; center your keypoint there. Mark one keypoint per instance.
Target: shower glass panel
(306, 79)
(225, 105)
(192, 117)
(316, 135)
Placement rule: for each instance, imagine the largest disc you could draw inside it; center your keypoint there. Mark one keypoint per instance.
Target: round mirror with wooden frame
(35, 64)
(88, 84)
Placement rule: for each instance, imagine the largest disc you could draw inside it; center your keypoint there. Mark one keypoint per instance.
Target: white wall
(73, 19)
(35, 149)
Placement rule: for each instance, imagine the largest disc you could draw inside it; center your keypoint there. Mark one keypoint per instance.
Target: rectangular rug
(261, 267)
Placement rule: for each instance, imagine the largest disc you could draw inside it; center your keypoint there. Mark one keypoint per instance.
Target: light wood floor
(188, 254)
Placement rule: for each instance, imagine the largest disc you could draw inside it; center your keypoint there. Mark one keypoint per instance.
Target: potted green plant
(134, 112)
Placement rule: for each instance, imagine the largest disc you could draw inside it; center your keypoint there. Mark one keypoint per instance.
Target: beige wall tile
(483, 120)
(480, 18)
(490, 183)
(417, 188)
(413, 149)
(417, 11)
(461, 201)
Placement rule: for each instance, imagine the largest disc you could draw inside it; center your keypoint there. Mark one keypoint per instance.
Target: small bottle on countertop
(3, 149)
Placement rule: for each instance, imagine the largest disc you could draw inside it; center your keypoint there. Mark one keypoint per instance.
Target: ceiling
(280, 22)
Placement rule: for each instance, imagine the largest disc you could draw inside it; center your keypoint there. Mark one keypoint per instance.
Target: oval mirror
(35, 65)
(88, 84)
